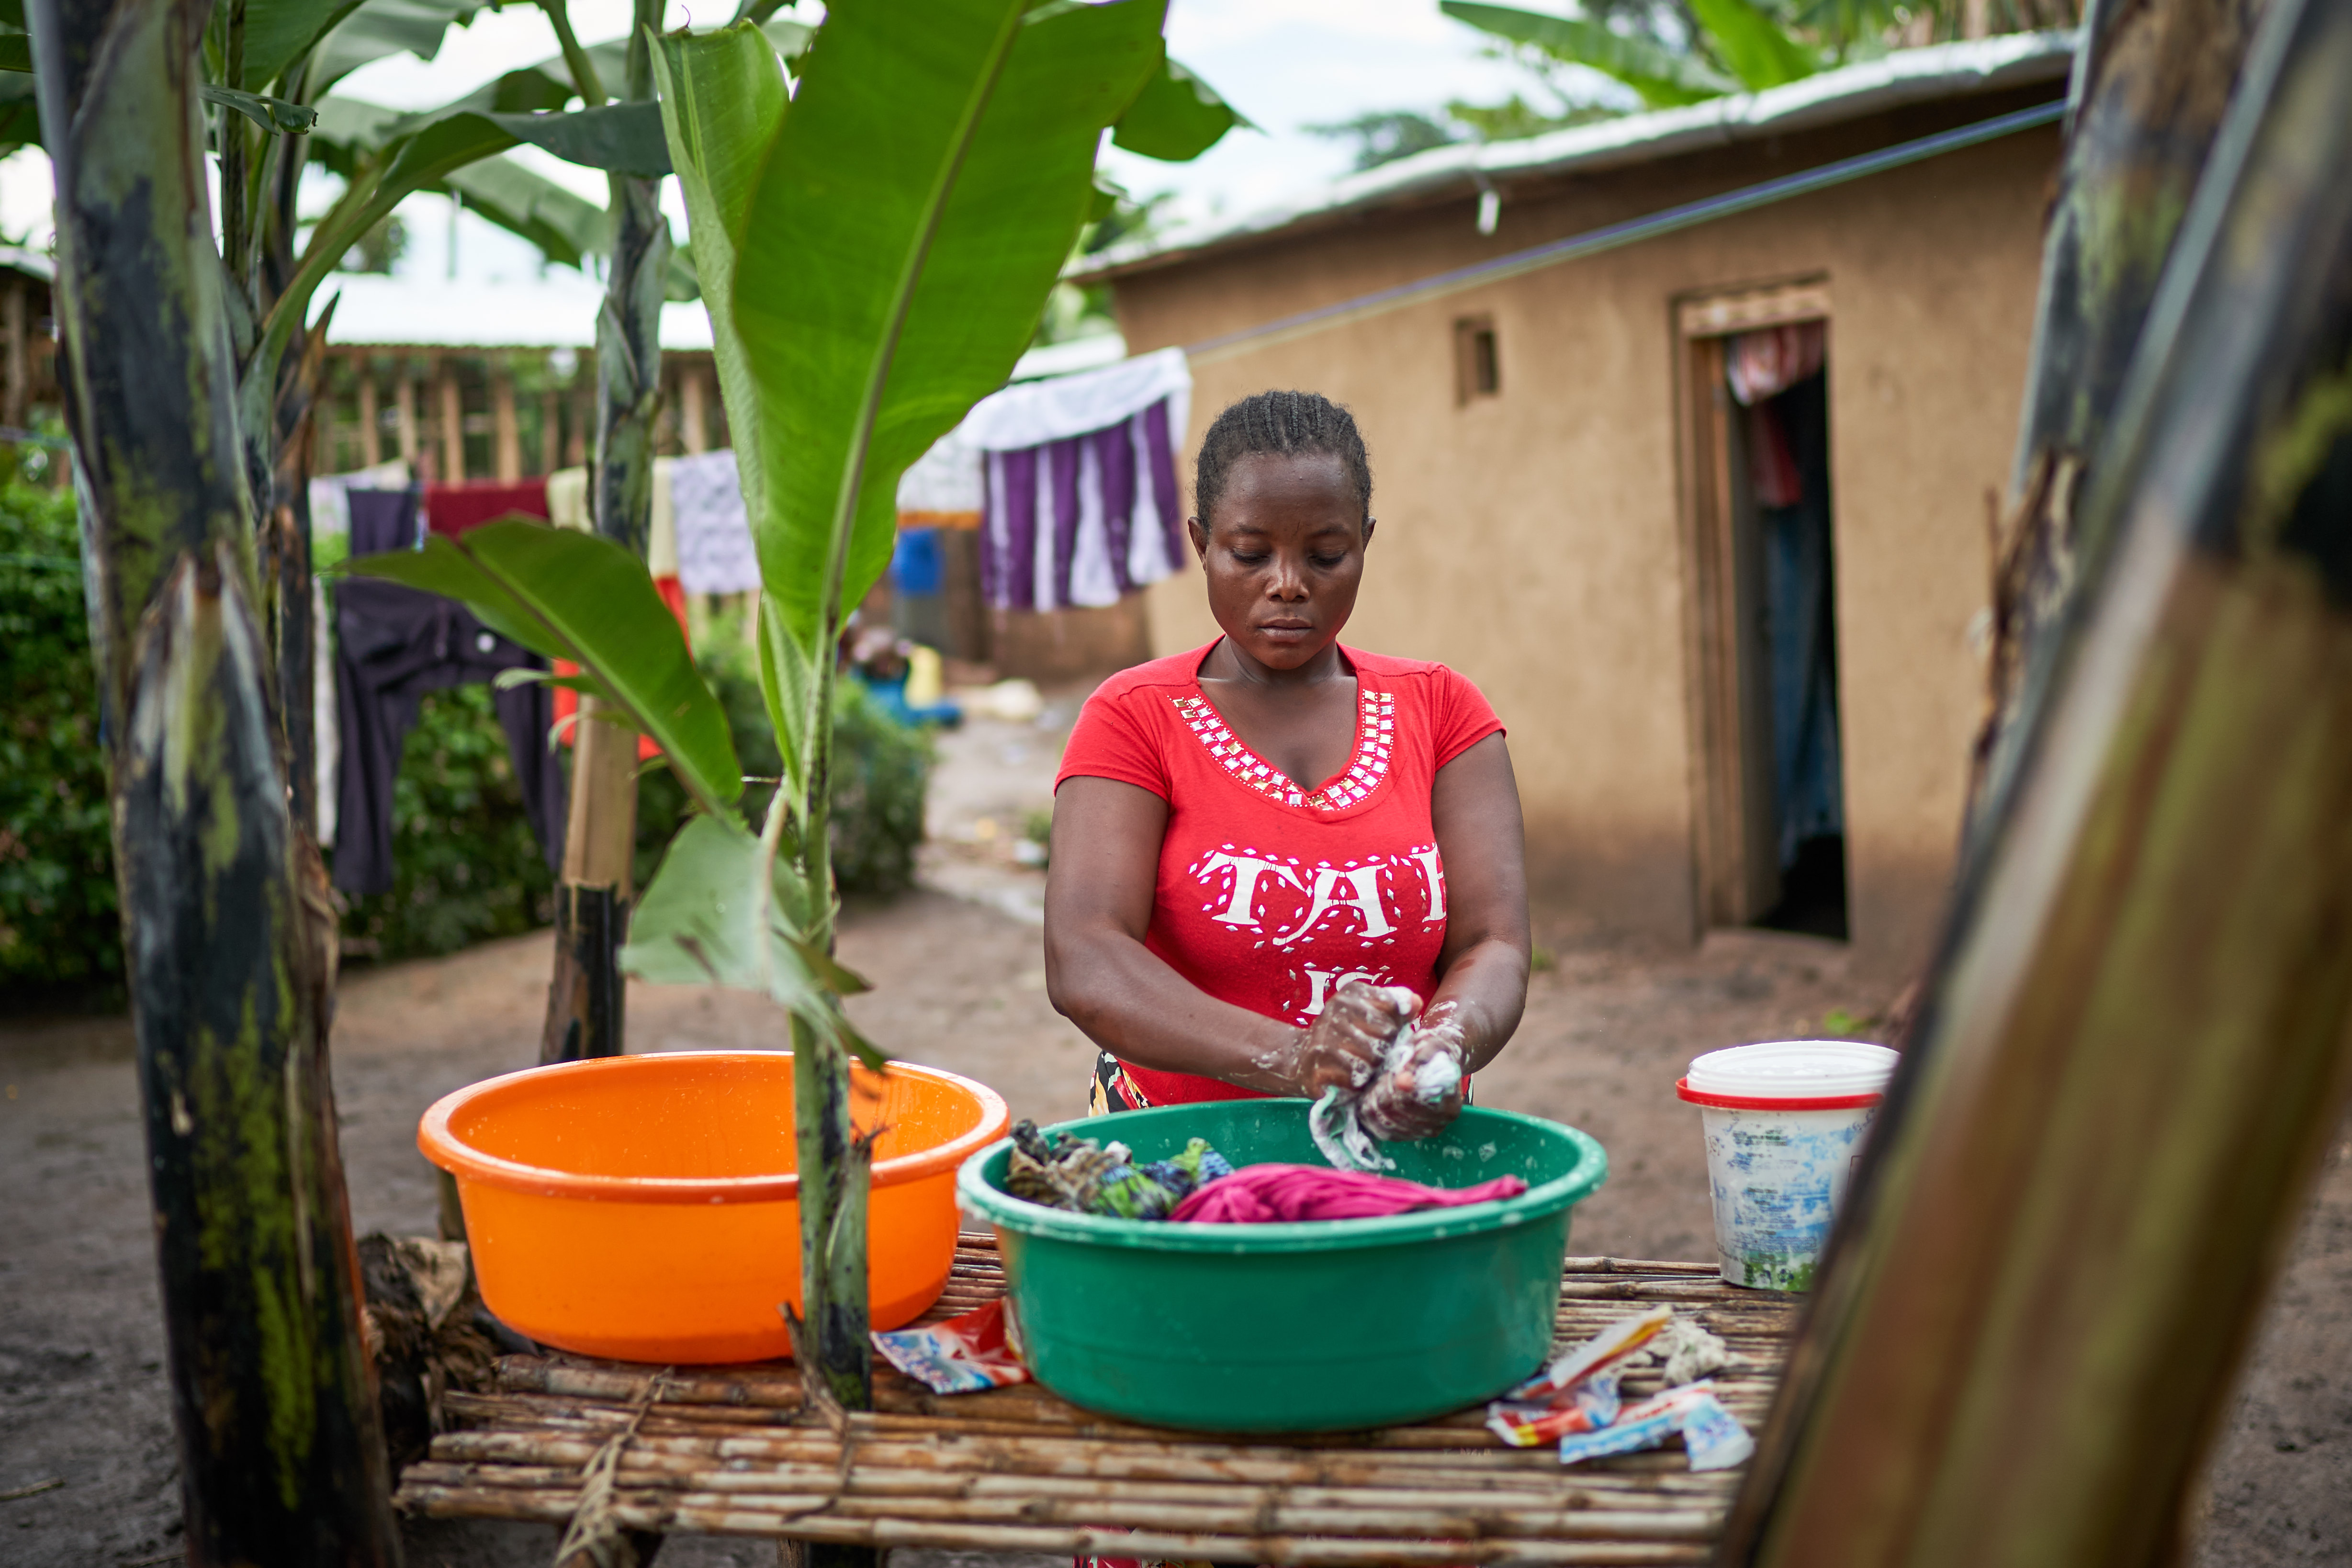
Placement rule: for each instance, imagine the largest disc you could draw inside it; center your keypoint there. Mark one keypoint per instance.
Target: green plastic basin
(1314, 1327)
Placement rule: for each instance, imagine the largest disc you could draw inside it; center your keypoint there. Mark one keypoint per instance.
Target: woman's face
(1284, 554)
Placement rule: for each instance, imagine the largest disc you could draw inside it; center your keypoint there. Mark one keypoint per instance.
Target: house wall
(1535, 540)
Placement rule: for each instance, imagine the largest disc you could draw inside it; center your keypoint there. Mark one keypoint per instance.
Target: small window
(1477, 367)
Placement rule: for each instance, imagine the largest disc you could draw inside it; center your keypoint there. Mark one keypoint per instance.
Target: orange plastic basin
(645, 1208)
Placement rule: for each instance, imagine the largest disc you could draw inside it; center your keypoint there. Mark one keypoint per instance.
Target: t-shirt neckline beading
(1375, 737)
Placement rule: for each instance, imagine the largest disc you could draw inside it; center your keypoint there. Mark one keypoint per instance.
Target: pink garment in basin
(1263, 1194)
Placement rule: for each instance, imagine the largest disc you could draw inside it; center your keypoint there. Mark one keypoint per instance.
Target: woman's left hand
(1423, 1094)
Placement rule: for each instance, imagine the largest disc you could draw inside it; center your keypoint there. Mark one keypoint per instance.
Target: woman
(1218, 922)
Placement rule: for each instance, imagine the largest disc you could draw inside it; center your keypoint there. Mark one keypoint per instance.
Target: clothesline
(1070, 481)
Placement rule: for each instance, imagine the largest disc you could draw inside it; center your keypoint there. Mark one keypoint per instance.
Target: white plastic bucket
(1784, 1123)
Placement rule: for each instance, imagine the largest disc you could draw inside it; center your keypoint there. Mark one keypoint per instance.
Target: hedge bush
(466, 868)
(59, 924)
(881, 773)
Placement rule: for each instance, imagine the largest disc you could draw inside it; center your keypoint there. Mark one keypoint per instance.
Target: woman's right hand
(1345, 1047)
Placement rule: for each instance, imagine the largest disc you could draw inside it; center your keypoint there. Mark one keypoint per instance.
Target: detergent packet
(1578, 1392)
(1713, 1436)
(962, 1355)
(1592, 1404)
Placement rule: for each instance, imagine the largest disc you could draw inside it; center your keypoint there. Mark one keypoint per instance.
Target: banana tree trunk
(228, 922)
(834, 1342)
(2151, 82)
(2135, 1048)
(585, 999)
(287, 527)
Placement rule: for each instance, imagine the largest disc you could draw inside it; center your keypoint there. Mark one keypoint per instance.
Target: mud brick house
(1701, 502)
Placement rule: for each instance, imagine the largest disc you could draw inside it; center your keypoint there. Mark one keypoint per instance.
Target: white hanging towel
(331, 542)
(1080, 503)
(714, 536)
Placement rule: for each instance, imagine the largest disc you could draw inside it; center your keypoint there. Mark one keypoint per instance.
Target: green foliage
(910, 213)
(1754, 46)
(380, 249)
(1515, 117)
(1666, 72)
(1382, 136)
(873, 325)
(1176, 117)
(59, 924)
(466, 866)
(881, 773)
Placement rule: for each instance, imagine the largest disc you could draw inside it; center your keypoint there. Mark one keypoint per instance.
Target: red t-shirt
(1271, 895)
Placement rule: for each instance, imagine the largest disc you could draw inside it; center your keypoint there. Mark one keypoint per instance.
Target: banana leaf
(1177, 117)
(381, 28)
(1753, 45)
(277, 33)
(703, 921)
(1663, 77)
(872, 325)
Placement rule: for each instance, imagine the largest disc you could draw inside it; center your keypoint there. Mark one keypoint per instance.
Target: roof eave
(1904, 76)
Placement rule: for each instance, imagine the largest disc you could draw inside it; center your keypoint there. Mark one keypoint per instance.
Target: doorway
(1772, 839)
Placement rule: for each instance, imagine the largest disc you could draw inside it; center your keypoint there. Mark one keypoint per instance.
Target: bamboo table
(728, 1451)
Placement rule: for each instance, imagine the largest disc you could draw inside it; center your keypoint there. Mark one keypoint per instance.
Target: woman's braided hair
(1282, 424)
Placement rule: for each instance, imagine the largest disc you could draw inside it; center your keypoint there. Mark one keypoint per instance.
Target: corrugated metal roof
(559, 312)
(1902, 76)
(556, 311)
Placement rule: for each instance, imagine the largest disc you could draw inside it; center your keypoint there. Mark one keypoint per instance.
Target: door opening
(1773, 848)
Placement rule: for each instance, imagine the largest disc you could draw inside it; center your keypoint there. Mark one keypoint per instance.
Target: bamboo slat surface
(727, 1450)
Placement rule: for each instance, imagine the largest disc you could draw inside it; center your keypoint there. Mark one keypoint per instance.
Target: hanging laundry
(454, 509)
(383, 520)
(567, 499)
(661, 520)
(1762, 363)
(1081, 500)
(395, 643)
(714, 550)
(330, 543)
(330, 512)
(568, 507)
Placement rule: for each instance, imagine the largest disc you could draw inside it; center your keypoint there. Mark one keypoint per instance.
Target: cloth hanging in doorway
(1799, 586)
(714, 535)
(1080, 504)
(454, 509)
(1767, 363)
(395, 643)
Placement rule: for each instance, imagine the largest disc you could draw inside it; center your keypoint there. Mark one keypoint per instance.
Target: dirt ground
(959, 982)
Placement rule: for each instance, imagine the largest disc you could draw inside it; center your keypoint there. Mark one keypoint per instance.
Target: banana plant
(874, 247)
(188, 368)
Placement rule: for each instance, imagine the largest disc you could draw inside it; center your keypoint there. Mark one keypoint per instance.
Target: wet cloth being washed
(1266, 1194)
(1062, 1171)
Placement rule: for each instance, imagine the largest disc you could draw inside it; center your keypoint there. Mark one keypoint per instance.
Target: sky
(1285, 64)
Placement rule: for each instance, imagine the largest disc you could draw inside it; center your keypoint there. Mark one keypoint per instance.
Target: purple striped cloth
(1084, 519)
